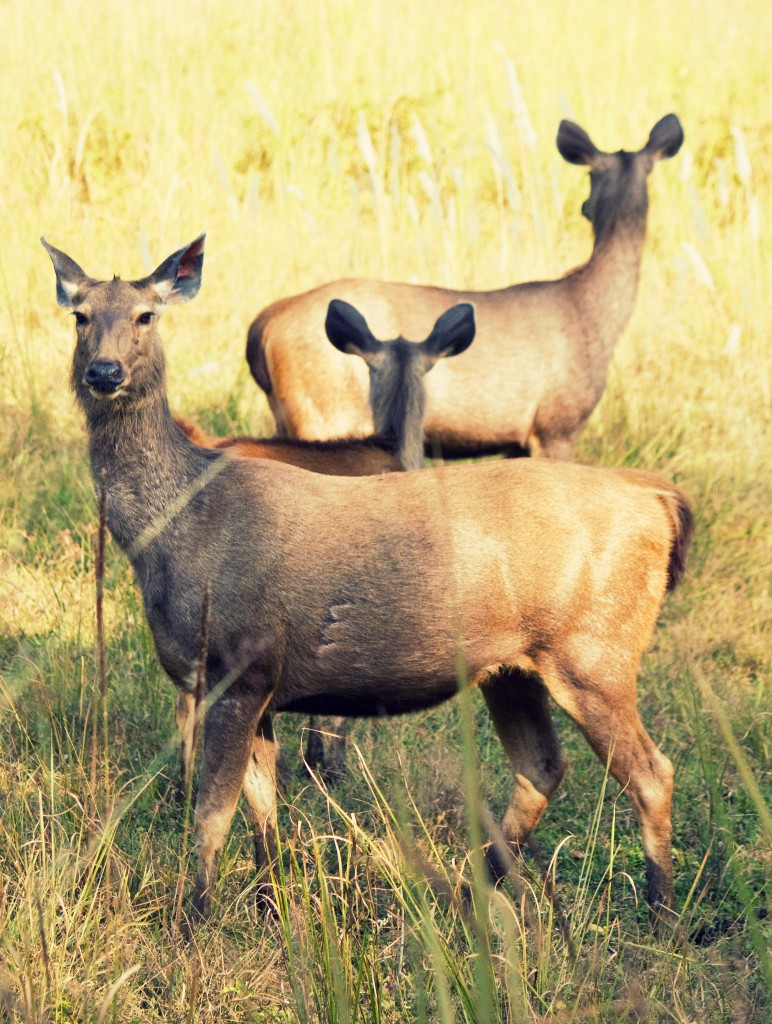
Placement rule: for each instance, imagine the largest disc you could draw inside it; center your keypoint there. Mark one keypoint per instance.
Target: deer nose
(105, 376)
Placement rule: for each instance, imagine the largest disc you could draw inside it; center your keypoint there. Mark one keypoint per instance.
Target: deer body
(397, 399)
(542, 349)
(343, 457)
(481, 586)
(358, 595)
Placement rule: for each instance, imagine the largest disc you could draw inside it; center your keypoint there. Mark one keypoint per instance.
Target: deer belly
(396, 697)
(362, 658)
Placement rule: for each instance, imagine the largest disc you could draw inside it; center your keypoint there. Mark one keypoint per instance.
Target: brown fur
(539, 362)
(343, 457)
(397, 398)
(363, 595)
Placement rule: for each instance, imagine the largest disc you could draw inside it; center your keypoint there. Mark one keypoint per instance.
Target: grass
(416, 142)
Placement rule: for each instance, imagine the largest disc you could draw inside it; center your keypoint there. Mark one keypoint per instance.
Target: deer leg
(229, 732)
(608, 717)
(332, 764)
(519, 707)
(336, 760)
(260, 792)
(314, 755)
(639, 766)
(186, 714)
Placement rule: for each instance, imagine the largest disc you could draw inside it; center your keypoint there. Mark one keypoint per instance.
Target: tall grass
(414, 141)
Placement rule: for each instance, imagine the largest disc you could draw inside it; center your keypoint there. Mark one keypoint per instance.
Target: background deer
(397, 399)
(363, 595)
(542, 352)
(396, 395)
(346, 456)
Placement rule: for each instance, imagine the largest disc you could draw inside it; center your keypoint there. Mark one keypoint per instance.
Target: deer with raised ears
(397, 400)
(542, 350)
(397, 392)
(353, 456)
(363, 595)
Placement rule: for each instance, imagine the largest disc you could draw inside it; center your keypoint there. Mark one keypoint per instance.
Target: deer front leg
(229, 731)
(329, 762)
(260, 792)
(186, 717)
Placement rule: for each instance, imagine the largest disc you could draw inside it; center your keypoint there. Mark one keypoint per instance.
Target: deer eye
(80, 318)
(144, 319)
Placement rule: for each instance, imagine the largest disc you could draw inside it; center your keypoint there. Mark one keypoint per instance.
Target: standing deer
(397, 398)
(345, 456)
(542, 351)
(363, 595)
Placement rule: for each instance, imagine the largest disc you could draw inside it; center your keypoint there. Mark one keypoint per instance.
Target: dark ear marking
(665, 138)
(453, 333)
(575, 145)
(348, 331)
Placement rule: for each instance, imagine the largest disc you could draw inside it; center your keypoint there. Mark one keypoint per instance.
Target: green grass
(415, 142)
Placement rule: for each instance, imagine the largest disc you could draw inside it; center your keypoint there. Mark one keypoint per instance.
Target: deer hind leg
(608, 718)
(331, 764)
(229, 733)
(186, 716)
(260, 792)
(519, 707)
(638, 765)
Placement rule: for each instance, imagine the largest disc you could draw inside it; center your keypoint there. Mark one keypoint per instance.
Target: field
(410, 141)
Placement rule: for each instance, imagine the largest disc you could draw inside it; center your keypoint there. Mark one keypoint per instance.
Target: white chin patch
(105, 396)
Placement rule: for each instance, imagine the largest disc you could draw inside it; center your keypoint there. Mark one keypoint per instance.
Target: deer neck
(609, 282)
(145, 462)
(404, 440)
(398, 416)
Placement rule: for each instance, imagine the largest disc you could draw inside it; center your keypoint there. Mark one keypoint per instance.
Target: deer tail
(256, 354)
(682, 519)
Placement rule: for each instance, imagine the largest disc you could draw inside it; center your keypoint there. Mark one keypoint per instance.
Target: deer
(346, 456)
(534, 581)
(396, 395)
(397, 398)
(542, 350)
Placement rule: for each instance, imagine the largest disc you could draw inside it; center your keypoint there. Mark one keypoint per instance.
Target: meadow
(409, 141)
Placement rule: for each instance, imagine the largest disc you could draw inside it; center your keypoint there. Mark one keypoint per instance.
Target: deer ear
(70, 279)
(178, 278)
(452, 334)
(348, 331)
(665, 138)
(575, 145)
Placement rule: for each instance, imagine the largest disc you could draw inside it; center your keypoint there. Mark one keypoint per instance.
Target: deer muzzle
(104, 379)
